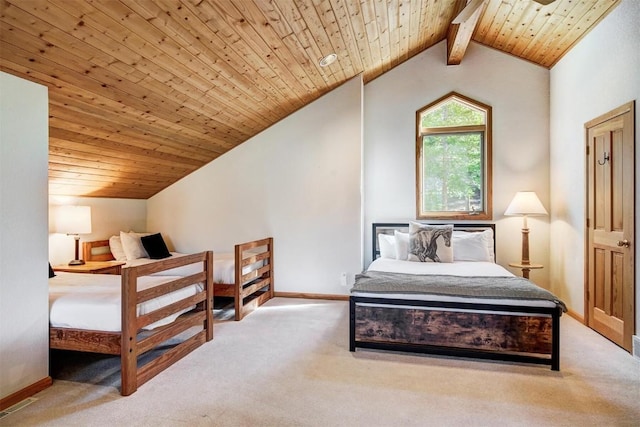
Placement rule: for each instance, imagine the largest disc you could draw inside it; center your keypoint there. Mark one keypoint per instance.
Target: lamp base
(76, 262)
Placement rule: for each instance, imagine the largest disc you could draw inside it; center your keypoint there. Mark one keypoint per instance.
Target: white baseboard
(636, 346)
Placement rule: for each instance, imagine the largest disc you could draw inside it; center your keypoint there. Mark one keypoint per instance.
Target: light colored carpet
(288, 364)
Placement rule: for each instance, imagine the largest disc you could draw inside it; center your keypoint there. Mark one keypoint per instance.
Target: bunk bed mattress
(223, 267)
(93, 301)
(467, 282)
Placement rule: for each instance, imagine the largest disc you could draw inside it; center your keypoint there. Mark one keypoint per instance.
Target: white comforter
(223, 267)
(93, 301)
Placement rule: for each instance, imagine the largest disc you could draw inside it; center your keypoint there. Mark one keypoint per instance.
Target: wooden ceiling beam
(461, 29)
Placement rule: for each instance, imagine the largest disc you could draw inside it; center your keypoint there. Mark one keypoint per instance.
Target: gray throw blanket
(456, 286)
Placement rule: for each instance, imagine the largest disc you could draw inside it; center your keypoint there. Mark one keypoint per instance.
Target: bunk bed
(246, 275)
(152, 310)
(453, 309)
(252, 283)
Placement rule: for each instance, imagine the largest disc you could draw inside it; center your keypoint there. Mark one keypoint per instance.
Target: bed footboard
(511, 333)
(253, 285)
(131, 343)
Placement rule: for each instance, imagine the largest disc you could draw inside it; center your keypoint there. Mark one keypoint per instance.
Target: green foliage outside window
(452, 172)
(452, 113)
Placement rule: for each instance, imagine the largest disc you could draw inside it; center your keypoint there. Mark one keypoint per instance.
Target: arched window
(453, 159)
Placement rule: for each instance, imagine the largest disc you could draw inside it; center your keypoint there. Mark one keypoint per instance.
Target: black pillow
(51, 272)
(155, 246)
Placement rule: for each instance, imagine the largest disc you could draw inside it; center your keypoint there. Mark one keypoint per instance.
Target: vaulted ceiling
(144, 92)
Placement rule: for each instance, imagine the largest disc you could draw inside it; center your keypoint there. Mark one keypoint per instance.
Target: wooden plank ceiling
(144, 92)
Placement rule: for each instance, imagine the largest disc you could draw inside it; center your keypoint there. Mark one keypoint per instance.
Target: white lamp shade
(526, 203)
(72, 219)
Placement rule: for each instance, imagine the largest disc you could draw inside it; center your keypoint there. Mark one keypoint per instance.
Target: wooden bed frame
(249, 291)
(511, 333)
(131, 343)
(255, 287)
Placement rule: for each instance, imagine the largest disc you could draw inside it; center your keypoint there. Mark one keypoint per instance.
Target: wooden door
(610, 269)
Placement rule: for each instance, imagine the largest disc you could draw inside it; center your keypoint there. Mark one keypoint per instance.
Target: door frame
(628, 107)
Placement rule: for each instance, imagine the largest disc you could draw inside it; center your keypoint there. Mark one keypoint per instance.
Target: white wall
(108, 218)
(517, 90)
(598, 75)
(298, 181)
(24, 314)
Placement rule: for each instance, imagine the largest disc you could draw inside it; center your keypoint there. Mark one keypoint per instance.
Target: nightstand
(525, 268)
(93, 267)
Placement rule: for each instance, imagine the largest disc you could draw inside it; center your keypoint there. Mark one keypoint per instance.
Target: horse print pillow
(430, 243)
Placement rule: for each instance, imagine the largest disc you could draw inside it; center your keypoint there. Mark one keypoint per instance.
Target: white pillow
(491, 247)
(430, 243)
(387, 246)
(402, 245)
(115, 245)
(132, 245)
(473, 246)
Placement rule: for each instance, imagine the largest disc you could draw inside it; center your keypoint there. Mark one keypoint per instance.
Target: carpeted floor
(288, 364)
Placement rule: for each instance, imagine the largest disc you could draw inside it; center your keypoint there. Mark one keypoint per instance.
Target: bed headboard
(390, 227)
(97, 251)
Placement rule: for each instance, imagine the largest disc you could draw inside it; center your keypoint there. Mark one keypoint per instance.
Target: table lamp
(525, 203)
(73, 221)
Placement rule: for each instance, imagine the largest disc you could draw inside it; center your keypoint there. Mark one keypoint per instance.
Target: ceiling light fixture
(328, 60)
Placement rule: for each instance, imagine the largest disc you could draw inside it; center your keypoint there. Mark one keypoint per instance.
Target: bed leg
(128, 374)
(352, 324)
(555, 345)
(208, 304)
(237, 299)
(128, 344)
(270, 249)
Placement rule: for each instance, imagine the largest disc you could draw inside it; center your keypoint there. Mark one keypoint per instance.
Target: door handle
(624, 243)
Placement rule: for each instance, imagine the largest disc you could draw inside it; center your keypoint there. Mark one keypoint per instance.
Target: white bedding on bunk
(223, 267)
(457, 268)
(93, 301)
